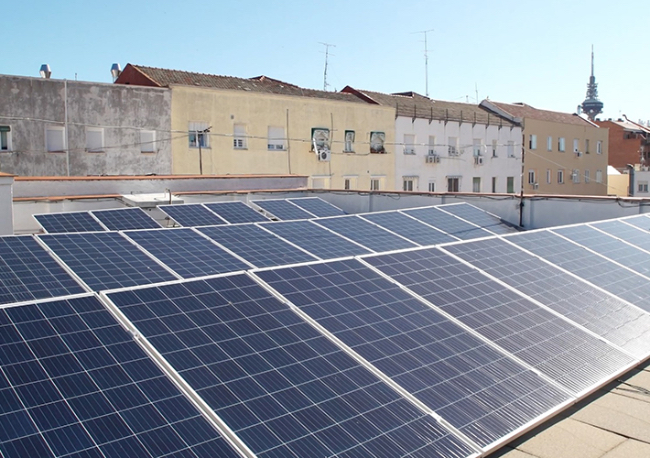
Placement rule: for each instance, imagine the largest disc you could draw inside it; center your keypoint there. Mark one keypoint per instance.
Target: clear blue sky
(534, 52)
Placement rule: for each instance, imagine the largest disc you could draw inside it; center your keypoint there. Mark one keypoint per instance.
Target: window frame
(321, 143)
(272, 142)
(549, 143)
(198, 137)
(409, 183)
(495, 145)
(599, 147)
(61, 131)
(561, 144)
(95, 130)
(532, 175)
(511, 148)
(476, 184)
(599, 176)
(432, 186)
(239, 136)
(377, 142)
(409, 144)
(560, 176)
(5, 138)
(145, 143)
(510, 185)
(452, 149)
(532, 142)
(348, 141)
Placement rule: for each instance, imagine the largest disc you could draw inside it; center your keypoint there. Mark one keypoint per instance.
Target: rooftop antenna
(426, 61)
(327, 53)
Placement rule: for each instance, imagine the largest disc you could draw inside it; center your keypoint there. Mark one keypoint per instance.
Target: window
(5, 138)
(409, 144)
(549, 143)
(476, 147)
(452, 146)
(54, 138)
(586, 145)
(560, 176)
(548, 176)
(494, 148)
(476, 184)
(599, 147)
(511, 148)
(560, 144)
(147, 141)
(410, 183)
(510, 185)
(377, 140)
(494, 184)
(453, 184)
(346, 184)
(239, 136)
(587, 179)
(432, 186)
(94, 139)
(575, 175)
(531, 177)
(375, 184)
(532, 142)
(349, 182)
(198, 134)
(599, 176)
(576, 145)
(432, 145)
(643, 186)
(320, 138)
(276, 139)
(349, 142)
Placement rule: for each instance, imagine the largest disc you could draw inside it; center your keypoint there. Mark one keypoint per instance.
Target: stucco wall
(6, 205)
(29, 105)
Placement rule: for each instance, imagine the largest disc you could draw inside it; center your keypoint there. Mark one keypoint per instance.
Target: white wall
(6, 205)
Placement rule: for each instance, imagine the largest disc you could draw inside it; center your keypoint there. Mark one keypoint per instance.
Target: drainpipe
(67, 135)
(630, 169)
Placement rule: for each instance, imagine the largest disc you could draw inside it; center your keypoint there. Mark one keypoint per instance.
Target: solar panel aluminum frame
(92, 212)
(77, 212)
(272, 216)
(438, 207)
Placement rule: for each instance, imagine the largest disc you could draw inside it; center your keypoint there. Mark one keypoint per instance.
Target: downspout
(523, 174)
(631, 171)
(65, 121)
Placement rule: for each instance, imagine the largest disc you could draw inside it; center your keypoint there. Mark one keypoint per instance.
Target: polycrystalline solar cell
(596, 269)
(317, 206)
(316, 240)
(69, 222)
(123, 219)
(284, 388)
(601, 313)
(608, 246)
(284, 210)
(365, 233)
(412, 229)
(447, 223)
(618, 229)
(187, 253)
(106, 260)
(236, 212)
(568, 355)
(74, 383)
(640, 221)
(479, 217)
(257, 246)
(190, 215)
(480, 391)
(28, 272)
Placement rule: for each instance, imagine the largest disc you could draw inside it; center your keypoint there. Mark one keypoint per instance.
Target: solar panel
(479, 217)
(568, 355)
(281, 386)
(75, 384)
(365, 233)
(123, 219)
(236, 212)
(69, 222)
(28, 272)
(480, 391)
(283, 210)
(408, 227)
(315, 239)
(317, 206)
(630, 234)
(597, 311)
(257, 246)
(187, 253)
(640, 221)
(447, 223)
(106, 260)
(191, 215)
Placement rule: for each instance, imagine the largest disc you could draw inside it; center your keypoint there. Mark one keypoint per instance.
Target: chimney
(116, 71)
(45, 71)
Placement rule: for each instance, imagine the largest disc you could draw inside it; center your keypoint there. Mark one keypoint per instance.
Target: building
(228, 125)
(563, 153)
(451, 147)
(54, 127)
(629, 143)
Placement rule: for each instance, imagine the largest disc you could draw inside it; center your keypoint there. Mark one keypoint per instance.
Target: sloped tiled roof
(521, 110)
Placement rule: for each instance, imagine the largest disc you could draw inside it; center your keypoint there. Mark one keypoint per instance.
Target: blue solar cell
(408, 227)
(314, 239)
(284, 388)
(106, 260)
(236, 212)
(123, 219)
(447, 223)
(107, 400)
(256, 245)
(479, 217)
(190, 215)
(69, 222)
(640, 221)
(186, 252)
(636, 236)
(283, 210)
(317, 206)
(365, 233)
(480, 391)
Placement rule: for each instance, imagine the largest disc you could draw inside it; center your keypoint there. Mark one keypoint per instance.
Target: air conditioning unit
(578, 153)
(478, 160)
(432, 159)
(324, 155)
(535, 185)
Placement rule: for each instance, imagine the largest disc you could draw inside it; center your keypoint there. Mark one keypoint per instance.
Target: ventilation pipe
(45, 71)
(116, 71)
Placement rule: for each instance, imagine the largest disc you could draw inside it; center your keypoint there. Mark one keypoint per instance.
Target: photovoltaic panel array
(605, 315)
(29, 272)
(187, 253)
(411, 228)
(640, 221)
(190, 215)
(284, 388)
(317, 206)
(74, 384)
(479, 390)
(69, 222)
(479, 217)
(447, 223)
(259, 247)
(630, 234)
(283, 210)
(570, 356)
(315, 239)
(236, 212)
(123, 219)
(106, 260)
(365, 233)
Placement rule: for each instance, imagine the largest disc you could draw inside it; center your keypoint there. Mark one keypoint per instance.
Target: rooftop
(522, 110)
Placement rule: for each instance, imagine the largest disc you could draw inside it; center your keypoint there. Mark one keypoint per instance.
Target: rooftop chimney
(116, 70)
(45, 71)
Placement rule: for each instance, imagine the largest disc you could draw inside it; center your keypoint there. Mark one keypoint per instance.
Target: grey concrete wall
(29, 105)
(6, 205)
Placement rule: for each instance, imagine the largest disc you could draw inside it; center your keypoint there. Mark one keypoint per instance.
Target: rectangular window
(532, 143)
(531, 177)
(643, 186)
(147, 141)
(239, 136)
(410, 183)
(477, 147)
(5, 138)
(587, 146)
(409, 144)
(511, 148)
(453, 184)
(346, 184)
(494, 148)
(560, 176)
(375, 184)
(560, 144)
(549, 143)
(432, 186)
(276, 139)
(94, 139)
(587, 178)
(199, 134)
(377, 140)
(432, 145)
(494, 184)
(55, 138)
(599, 176)
(349, 142)
(476, 184)
(576, 145)
(320, 138)
(599, 147)
(452, 146)
(510, 185)
(548, 176)
(575, 175)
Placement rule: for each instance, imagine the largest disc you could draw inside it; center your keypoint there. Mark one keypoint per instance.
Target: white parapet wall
(6, 204)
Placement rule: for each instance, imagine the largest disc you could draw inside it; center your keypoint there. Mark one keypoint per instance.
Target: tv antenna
(327, 53)
(426, 61)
